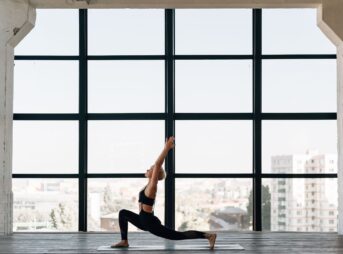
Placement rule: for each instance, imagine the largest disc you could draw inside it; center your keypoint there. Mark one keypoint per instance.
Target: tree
(61, 208)
(265, 206)
(110, 204)
(62, 217)
(66, 216)
(53, 219)
(107, 194)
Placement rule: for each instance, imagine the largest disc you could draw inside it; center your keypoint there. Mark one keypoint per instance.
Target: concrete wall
(16, 20)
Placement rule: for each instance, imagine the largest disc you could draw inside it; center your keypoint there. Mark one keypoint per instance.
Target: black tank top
(144, 199)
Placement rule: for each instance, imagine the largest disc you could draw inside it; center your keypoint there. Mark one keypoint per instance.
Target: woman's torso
(147, 199)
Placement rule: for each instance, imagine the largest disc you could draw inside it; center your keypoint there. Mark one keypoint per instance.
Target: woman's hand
(158, 164)
(170, 143)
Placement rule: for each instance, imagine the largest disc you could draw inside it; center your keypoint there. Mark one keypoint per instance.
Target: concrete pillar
(340, 135)
(17, 18)
(330, 21)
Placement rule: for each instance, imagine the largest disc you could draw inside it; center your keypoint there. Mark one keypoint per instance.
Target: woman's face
(149, 172)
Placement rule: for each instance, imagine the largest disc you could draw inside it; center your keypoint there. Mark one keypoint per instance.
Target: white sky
(201, 86)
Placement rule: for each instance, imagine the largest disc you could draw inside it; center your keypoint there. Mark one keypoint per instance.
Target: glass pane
(307, 146)
(45, 147)
(293, 31)
(213, 31)
(126, 32)
(213, 204)
(44, 205)
(46, 87)
(213, 146)
(124, 146)
(300, 204)
(106, 197)
(56, 32)
(299, 86)
(126, 86)
(213, 86)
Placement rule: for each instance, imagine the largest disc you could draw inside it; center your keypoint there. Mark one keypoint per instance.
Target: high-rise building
(304, 204)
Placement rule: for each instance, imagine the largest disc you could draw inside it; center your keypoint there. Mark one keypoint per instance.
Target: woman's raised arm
(158, 164)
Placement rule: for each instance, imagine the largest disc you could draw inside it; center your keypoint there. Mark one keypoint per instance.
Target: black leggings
(148, 222)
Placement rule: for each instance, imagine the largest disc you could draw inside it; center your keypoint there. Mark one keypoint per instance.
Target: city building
(304, 204)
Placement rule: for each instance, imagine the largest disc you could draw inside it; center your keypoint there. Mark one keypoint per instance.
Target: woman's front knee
(122, 212)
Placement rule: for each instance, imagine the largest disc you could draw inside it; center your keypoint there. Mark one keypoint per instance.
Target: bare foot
(121, 244)
(212, 240)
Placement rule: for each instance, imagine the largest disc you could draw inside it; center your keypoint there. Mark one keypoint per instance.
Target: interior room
(167, 126)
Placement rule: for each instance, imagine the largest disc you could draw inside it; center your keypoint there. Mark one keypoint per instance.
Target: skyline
(223, 196)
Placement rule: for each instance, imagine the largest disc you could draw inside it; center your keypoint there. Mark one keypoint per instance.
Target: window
(295, 138)
(106, 197)
(213, 146)
(293, 31)
(220, 204)
(114, 144)
(96, 92)
(310, 209)
(46, 147)
(46, 87)
(45, 205)
(212, 86)
(125, 32)
(303, 84)
(52, 34)
(218, 31)
(126, 86)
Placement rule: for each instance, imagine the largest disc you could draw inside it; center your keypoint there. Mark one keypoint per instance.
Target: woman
(146, 220)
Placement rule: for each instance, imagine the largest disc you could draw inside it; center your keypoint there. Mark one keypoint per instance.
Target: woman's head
(161, 175)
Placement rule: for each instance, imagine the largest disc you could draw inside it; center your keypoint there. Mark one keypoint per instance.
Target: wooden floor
(253, 242)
